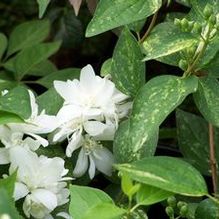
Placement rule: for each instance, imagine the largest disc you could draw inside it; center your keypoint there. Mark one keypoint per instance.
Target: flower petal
(104, 160)
(20, 191)
(92, 168)
(81, 164)
(74, 143)
(4, 156)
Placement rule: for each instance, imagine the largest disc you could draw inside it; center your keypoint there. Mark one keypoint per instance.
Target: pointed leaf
(193, 139)
(148, 195)
(45, 103)
(167, 173)
(43, 4)
(3, 44)
(207, 99)
(28, 34)
(128, 70)
(30, 57)
(62, 75)
(17, 101)
(105, 211)
(85, 198)
(113, 13)
(166, 39)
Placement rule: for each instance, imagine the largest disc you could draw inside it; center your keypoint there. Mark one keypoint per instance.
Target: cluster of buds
(181, 208)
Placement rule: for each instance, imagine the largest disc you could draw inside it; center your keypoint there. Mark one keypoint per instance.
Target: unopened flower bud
(208, 10)
(184, 23)
(212, 19)
(197, 28)
(177, 22)
(183, 210)
(180, 204)
(171, 201)
(169, 211)
(183, 64)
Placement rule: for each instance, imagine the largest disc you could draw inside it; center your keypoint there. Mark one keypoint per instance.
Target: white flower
(92, 155)
(36, 124)
(95, 96)
(40, 181)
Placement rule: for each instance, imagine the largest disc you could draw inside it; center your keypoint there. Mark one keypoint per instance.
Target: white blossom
(91, 112)
(40, 181)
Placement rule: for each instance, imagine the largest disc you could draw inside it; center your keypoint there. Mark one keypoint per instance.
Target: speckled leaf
(17, 101)
(166, 39)
(3, 44)
(128, 70)
(193, 140)
(207, 99)
(113, 13)
(28, 34)
(207, 209)
(166, 173)
(148, 195)
(154, 102)
(62, 75)
(125, 152)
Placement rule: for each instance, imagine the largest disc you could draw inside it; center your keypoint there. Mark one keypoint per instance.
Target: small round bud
(183, 210)
(177, 22)
(208, 10)
(169, 211)
(197, 28)
(180, 204)
(183, 64)
(184, 24)
(212, 19)
(171, 201)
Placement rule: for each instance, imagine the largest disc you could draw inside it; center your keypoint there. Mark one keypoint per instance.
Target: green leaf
(166, 39)
(104, 211)
(167, 173)
(213, 67)
(84, 198)
(28, 34)
(128, 70)
(6, 117)
(207, 99)
(62, 75)
(43, 69)
(113, 13)
(8, 184)
(193, 139)
(124, 152)
(7, 205)
(43, 4)
(207, 209)
(45, 103)
(3, 44)
(148, 195)
(17, 101)
(106, 68)
(31, 56)
(153, 103)
(6, 84)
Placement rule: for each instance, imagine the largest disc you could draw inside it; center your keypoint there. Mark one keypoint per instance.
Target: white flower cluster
(90, 114)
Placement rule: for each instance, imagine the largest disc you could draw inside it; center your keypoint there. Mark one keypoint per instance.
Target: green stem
(198, 55)
(213, 199)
